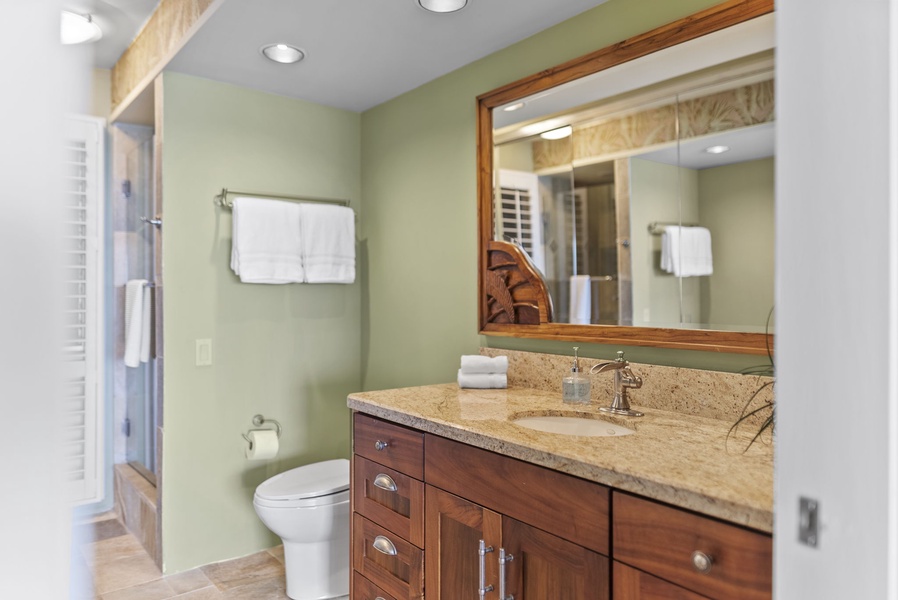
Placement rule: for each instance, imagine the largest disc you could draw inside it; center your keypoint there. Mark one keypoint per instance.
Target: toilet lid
(309, 481)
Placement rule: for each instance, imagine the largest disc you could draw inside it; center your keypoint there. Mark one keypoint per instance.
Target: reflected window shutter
(518, 215)
(83, 222)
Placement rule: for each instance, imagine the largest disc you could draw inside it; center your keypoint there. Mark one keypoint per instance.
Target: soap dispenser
(575, 387)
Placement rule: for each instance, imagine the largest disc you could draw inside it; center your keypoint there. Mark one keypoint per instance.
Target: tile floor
(110, 564)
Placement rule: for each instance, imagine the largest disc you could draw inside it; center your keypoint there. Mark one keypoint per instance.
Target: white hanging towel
(328, 243)
(580, 305)
(686, 251)
(146, 326)
(266, 244)
(134, 321)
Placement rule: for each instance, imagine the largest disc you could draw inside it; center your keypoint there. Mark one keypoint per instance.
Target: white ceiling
(120, 21)
(359, 53)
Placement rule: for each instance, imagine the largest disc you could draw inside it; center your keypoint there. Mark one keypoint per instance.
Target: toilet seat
(318, 484)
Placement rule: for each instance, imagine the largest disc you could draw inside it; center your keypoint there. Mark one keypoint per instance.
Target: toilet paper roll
(263, 444)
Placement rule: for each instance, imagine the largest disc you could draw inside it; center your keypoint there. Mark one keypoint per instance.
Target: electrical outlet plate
(203, 353)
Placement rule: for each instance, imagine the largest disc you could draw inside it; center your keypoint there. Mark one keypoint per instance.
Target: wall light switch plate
(203, 353)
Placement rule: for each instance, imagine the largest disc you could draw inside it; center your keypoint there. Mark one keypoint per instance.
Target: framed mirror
(627, 196)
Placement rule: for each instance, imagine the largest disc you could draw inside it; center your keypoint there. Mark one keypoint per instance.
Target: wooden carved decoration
(514, 290)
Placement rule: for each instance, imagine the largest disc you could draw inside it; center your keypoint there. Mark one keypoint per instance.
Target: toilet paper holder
(259, 421)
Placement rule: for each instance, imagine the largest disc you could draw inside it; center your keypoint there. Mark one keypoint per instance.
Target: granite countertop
(677, 458)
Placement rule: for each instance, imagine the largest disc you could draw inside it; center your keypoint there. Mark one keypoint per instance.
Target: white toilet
(308, 507)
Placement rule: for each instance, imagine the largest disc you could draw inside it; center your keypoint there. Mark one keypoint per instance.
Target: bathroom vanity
(451, 496)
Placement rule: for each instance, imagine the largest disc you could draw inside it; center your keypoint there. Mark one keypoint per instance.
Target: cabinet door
(545, 566)
(631, 584)
(453, 528)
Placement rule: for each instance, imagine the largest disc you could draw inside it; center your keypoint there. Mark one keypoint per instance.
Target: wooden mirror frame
(510, 310)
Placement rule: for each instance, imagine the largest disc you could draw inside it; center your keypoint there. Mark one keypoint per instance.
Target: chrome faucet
(624, 380)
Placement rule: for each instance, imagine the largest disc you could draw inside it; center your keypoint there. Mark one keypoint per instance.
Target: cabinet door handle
(382, 544)
(380, 598)
(504, 559)
(482, 551)
(385, 482)
(702, 562)
(380, 445)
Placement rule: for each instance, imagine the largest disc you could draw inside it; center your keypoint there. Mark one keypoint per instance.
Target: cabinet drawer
(392, 445)
(387, 560)
(571, 508)
(661, 540)
(390, 499)
(631, 584)
(362, 589)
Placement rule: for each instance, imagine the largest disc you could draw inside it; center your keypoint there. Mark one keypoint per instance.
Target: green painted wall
(736, 204)
(419, 179)
(289, 352)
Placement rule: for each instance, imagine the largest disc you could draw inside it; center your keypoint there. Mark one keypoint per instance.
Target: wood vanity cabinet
(434, 500)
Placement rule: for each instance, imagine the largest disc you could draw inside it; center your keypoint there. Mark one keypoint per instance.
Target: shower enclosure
(135, 234)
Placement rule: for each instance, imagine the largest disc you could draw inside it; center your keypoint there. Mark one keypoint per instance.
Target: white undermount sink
(584, 426)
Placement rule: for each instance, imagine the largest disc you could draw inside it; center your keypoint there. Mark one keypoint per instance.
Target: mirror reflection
(653, 207)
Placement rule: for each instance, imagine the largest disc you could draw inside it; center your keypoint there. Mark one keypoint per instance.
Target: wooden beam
(168, 30)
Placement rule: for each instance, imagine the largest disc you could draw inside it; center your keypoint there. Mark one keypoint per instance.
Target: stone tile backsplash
(710, 394)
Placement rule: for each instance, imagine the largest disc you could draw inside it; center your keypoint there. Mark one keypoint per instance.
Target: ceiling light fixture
(282, 53)
(557, 134)
(442, 6)
(78, 29)
(513, 107)
(717, 149)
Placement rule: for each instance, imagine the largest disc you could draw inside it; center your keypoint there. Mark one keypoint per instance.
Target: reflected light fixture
(513, 107)
(283, 53)
(78, 29)
(442, 6)
(717, 149)
(557, 134)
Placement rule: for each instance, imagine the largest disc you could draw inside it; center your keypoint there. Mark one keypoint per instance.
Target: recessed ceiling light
(513, 107)
(442, 6)
(557, 134)
(78, 29)
(717, 149)
(283, 53)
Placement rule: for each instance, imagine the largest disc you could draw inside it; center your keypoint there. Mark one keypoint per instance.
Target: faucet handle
(620, 356)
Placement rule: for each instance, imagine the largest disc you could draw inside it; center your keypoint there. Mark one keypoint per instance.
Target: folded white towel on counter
(267, 244)
(472, 364)
(482, 380)
(134, 321)
(686, 251)
(328, 243)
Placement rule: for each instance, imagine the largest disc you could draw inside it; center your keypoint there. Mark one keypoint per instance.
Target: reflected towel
(472, 364)
(580, 305)
(328, 243)
(134, 321)
(686, 251)
(482, 380)
(266, 244)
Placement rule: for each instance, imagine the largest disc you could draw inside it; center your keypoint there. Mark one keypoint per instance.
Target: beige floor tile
(153, 590)
(272, 588)
(277, 552)
(123, 573)
(112, 549)
(243, 571)
(188, 581)
(206, 593)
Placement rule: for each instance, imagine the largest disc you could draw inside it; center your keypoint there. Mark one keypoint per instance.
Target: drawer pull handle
(504, 559)
(385, 482)
(380, 598)
(702, 562)
(384, 545)
(380, 445)
(482, 551)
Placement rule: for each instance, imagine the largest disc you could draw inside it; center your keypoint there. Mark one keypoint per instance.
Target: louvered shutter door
(83, 308)
(518, 216)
